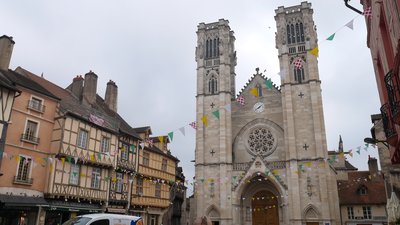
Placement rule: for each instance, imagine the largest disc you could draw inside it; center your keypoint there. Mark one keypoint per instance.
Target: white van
(105, 219)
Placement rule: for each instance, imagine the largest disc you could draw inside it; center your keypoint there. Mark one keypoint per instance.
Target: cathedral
(261, 155)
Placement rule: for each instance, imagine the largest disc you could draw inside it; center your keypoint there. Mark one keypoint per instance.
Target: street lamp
(374, 141)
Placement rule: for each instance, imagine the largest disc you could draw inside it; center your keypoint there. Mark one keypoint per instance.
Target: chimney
(90, 87)
(77, 86)
(6, 48)
(373, 166)
(111, 95)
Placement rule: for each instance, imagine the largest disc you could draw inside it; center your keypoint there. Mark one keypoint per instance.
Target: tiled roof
(348, 189)
(143, 129)
(156, 139)
(159, 151)
(5, 82)
(70, 104)
(21, 80)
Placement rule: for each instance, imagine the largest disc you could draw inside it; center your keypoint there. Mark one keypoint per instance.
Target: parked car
(105, 219)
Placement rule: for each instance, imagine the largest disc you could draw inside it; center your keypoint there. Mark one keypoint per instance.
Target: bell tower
(303, 118)
(216, 61)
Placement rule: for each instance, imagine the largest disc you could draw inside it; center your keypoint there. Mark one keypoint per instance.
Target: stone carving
(261, 141)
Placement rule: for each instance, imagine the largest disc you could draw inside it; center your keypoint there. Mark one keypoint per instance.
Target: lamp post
(374, 141)
(8, 92)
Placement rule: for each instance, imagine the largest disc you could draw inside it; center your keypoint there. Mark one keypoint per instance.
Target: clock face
(258, 107)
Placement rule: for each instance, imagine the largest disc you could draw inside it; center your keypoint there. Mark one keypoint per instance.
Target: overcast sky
(148, 49)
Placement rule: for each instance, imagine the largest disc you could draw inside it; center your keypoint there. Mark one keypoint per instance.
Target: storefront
(20, 210)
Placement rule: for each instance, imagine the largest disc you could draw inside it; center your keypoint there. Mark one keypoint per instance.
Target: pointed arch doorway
(265, 208)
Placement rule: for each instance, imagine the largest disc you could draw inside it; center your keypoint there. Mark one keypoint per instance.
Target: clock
(258, 107)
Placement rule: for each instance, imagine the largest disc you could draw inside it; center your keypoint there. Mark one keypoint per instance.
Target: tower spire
(340, 143)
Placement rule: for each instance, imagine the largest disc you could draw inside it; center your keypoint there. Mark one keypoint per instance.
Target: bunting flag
(341, 154)
(298, 63)
(132, 148)
(193, 125)
(205, 120)
(366, 147)
(351, 153)
(99, 156)
(161, 138)
(358, 149)
(268, 83)
(315, 51)
(171, 135)
(350, 24)
(182, 130)
(216, 113)
(254, 91)
(368, 12)
(330, 38)
(141, 145)
(228, 107)
(92, 157)
(240, 100)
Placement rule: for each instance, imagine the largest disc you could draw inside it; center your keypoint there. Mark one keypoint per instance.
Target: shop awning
(74, 206)
(15, 200)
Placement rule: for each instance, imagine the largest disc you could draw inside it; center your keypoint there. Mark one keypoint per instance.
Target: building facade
(250, 159)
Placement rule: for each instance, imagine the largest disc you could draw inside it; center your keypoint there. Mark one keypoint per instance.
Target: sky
(148, 49)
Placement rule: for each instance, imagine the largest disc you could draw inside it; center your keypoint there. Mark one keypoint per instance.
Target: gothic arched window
(292, 33)
(213, 85)
(207, 53)
(289, 40)
(301, 32)
(297, 33)
(215, 48)
(298, 74)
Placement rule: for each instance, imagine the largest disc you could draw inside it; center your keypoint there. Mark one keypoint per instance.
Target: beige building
(264, 161)
(156, 175)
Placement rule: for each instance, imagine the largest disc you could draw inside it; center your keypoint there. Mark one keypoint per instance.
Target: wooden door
(265, 209)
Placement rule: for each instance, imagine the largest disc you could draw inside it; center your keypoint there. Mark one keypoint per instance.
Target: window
(362, 190)
(96, 178)
(289, 40)
(82, 138)
(212, 85)
(301, 32)
(139, 186)
(36, 104)
(31, 131)
(297, 33)
(146, 158)
(293, 35)
(157, 194)
(120, 177)
(298, 74)
(164, 165)
(153, 220)
(74, 174)
(124, 151)
(105, 145)
(23, 169)
(367, 212)
(350, 213)
(101, 222)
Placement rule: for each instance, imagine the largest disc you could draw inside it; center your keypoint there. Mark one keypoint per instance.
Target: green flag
(330, 38)
(268, 83)
(171, 135)
(216, 113)
(132, 148)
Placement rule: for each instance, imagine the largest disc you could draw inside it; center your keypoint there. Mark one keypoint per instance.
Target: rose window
(261, 141)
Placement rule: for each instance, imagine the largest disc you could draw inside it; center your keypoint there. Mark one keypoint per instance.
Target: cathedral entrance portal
(265, 208)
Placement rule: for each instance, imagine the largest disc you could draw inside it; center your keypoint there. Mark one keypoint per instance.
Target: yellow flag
(341, 154)
(205, 120)
(161, 138)
(314, 51)
(308, 164)
(254, 91)
(92, 157)
(275, 171)
(63, 161)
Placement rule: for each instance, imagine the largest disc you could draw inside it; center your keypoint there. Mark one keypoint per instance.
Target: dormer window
(362, 190)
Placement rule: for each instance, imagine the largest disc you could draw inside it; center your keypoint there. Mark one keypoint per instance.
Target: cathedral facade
(261, 155)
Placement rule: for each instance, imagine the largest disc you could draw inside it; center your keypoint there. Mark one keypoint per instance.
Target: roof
(111, 216)
(143, 129)
(348, 189)
(156, 139)
(21, 80)
(252, 78)
(70, 104)
(16, 200)
(159, 151)
(5, 82)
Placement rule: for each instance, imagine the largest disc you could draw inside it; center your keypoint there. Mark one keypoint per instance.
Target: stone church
(262, 161)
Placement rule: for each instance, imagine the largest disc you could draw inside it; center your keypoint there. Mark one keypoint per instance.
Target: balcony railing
(29, 138)
(393, 90)
(388, 124)
(35, 105)
(19, 180)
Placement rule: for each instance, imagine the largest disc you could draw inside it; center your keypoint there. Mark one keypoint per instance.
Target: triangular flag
(268, 83)
(182, 130)
(228, 107)
(133, 147)
(142, 145)
(330, 38)
(358, 149)
(351, 153)
(314, 51)
(171, 135)
(205, 120)
(216, 113)
(341, 154)
(350, 24)
(161, 138)
(254, 91)
(76, 159)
